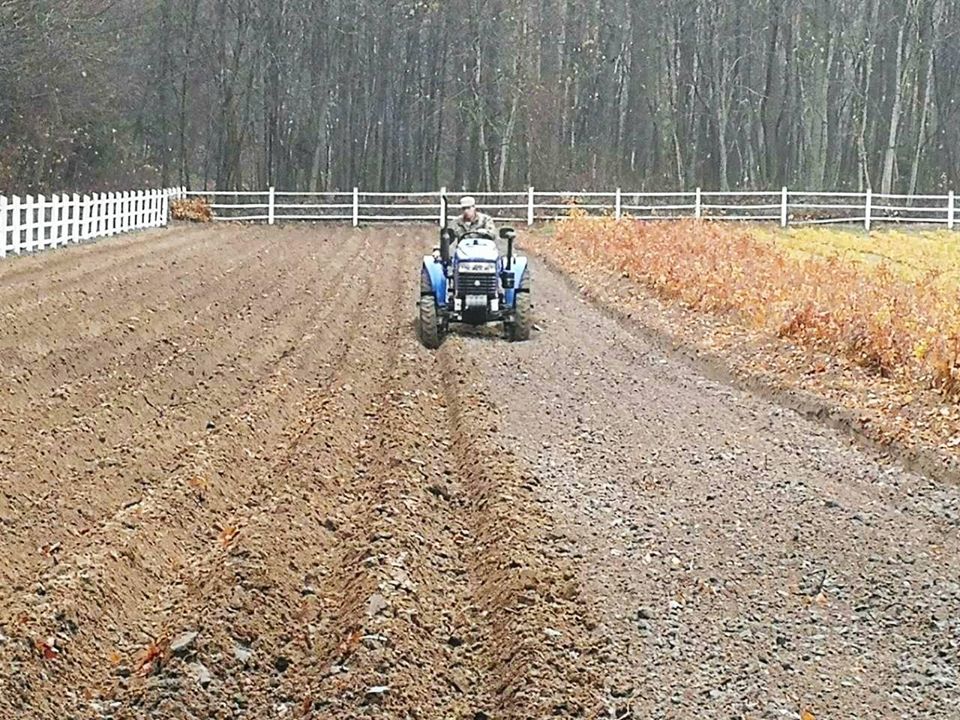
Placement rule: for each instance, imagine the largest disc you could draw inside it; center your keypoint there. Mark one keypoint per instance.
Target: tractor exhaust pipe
(508, 234)
(446, 238)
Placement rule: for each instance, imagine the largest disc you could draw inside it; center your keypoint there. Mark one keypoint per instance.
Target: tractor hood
(477, 250)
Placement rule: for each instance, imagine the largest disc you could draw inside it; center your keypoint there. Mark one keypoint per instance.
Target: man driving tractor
(472, 220)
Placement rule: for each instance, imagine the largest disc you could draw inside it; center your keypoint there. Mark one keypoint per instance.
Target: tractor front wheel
(428, 322)
(519, 329)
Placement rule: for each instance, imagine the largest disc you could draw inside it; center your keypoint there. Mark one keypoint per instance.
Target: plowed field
(232, 484)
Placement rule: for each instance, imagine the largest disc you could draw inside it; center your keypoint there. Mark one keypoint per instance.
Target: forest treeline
(485, 94)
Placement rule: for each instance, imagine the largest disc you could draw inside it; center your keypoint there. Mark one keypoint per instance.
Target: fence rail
(37, 223)
(31, 224)
(784, 206)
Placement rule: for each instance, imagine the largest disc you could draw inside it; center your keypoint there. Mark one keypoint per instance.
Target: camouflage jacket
(482, 223)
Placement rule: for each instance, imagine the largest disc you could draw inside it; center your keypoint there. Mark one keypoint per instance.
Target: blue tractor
(476, 285)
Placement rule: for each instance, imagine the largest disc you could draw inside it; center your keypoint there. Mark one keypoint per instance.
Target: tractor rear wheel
(428, 324)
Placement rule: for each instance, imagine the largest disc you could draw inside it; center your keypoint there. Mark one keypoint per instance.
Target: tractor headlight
(477, 267)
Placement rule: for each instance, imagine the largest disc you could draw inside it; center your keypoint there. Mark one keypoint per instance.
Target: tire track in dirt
(539, 626)
(398, 586)
(432, 559)
(447, 608)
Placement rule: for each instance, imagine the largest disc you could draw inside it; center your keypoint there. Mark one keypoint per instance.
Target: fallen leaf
(227, 535)
(349, 643)
(46, 649)
(154, 655)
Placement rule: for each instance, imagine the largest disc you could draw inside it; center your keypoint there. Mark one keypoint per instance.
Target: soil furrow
(32, 278)
(140, 445)
(237, 592)
(138, 321)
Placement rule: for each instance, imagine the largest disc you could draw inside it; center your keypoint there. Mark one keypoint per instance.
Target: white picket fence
(31, 224)
(784, 206)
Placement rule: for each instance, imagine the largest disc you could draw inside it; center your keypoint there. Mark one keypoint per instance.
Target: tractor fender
(438, 280)
(519, 268)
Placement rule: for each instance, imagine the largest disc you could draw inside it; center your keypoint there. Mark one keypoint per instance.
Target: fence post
(88, 214)
(3, 226)
(784, 218)
(29, 209)
(165, 208)
(698, 208)
(41, 221)
(54, 234)
(443, 207)
(867, 209)
(530, 206)
(951, 211)
(271, 212)
(63, 225)
(618, 205)
(75, 218)
(66, 219)
(15, 217)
